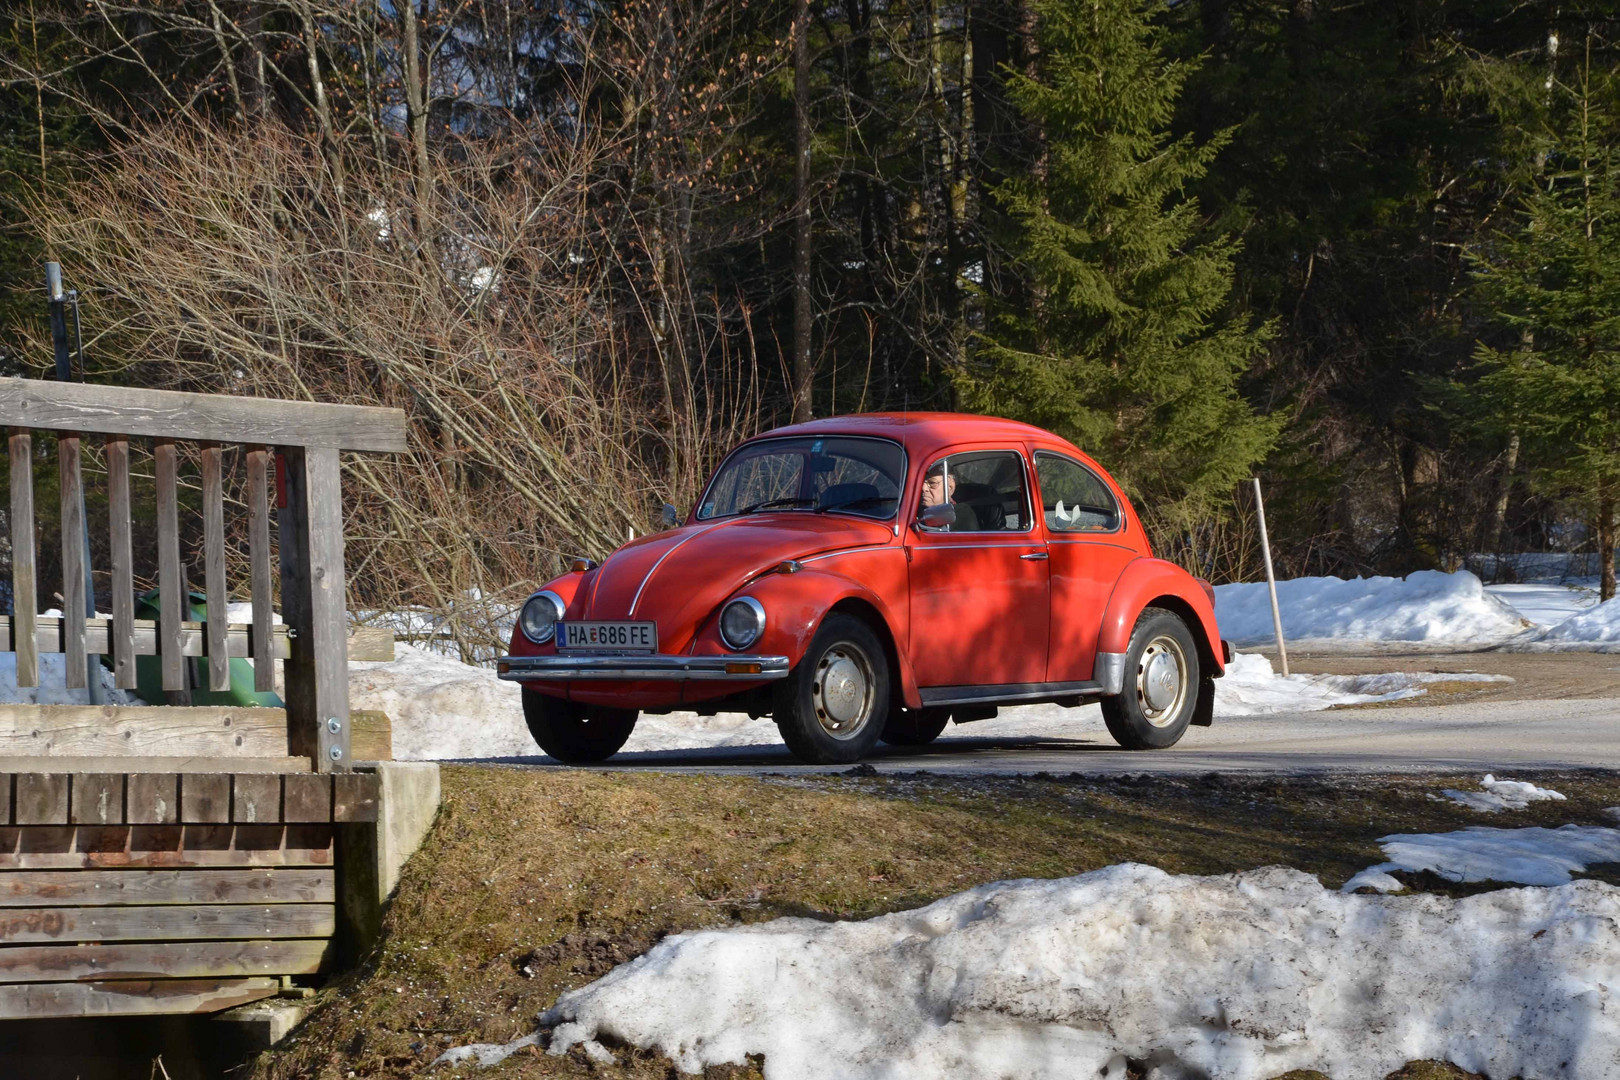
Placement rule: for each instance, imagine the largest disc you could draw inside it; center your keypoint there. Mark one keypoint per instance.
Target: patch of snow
(1546, 604)
(442, 708)
(1530, 856)
(1502, 795)
(1427, 606)
(1234, 977)
(52, 688)
(1598, 625)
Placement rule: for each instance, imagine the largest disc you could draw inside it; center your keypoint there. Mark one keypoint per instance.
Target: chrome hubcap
(842, 691)
(1160, 681)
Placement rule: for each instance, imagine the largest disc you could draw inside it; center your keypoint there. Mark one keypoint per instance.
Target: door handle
(1034, 556)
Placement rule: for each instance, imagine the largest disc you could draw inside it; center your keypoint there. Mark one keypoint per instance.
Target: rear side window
(1073, 498)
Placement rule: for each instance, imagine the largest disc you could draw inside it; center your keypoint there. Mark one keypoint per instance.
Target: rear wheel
(916, 727)
(573, 733)
(832, 707)
(1152, 710)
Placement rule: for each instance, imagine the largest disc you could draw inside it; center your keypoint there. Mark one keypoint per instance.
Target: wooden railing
(305, 439)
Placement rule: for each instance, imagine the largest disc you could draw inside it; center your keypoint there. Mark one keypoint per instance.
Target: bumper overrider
(640, 667)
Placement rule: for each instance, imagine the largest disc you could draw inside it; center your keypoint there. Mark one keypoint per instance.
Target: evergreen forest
(1367, 252)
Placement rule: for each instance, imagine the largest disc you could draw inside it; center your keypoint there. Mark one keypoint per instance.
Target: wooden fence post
(313, 604)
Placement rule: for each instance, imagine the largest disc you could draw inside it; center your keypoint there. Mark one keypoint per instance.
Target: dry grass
(535, 882)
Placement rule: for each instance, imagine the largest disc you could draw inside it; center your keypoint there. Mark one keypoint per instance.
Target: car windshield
(825, 474)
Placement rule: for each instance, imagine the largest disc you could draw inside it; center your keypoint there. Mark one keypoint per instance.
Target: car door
(979, 588)
(1088, 548)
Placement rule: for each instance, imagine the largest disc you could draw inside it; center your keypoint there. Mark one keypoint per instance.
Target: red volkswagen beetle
(876, 577)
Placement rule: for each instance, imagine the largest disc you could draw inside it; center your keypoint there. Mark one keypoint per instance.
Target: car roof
(922, 433)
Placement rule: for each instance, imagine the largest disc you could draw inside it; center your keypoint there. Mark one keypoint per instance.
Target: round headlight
(742, 622)
(538, 619)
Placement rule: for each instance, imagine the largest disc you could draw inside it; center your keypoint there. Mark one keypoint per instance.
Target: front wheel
(832, 706)
(573, 733)
(1152, 710)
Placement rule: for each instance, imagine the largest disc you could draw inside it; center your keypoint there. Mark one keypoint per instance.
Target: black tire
(846, 658)
(1162, 676)
(915, 727)
(573, 733)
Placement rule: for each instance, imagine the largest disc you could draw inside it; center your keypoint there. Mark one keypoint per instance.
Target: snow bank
(52, 688)
(1426, 606)
(442, 708)
(1502, 795)
(1235, 977)
(1599, 625)
(1251, 687)
(1529, 856)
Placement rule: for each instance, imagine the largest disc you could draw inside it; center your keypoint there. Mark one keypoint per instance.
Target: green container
(149, 669)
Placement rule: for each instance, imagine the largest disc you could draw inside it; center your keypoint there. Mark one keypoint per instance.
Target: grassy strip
(536, 882)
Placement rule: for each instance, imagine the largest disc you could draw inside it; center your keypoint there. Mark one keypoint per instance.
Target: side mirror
(669, 517)
(937, 516)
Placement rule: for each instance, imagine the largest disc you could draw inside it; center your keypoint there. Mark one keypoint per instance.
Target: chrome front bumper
(633, 667)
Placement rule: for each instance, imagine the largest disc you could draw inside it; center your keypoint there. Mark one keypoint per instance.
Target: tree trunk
(1606, 544)
(416, 108)
(802, 379)
(1499, 512)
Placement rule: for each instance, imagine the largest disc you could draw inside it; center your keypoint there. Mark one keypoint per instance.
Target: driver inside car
(939, 487)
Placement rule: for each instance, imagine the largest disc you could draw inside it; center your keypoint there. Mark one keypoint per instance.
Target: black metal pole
(64, 373)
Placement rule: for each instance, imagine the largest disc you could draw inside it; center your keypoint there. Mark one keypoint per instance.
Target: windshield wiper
(768, 503)
(850, 504)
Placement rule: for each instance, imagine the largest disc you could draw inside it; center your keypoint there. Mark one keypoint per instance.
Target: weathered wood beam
(169, 414)
(214, 585)
(73, 555)
(130, 997)
(121, 640)
(191, 959)
(24, 599)
(166, 922)
(62, 888)
(365, 643)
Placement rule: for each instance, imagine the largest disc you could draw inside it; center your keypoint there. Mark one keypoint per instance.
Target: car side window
(987, 488)
(1073, 498)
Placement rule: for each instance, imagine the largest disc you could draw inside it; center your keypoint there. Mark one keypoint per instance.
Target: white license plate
(625, 636)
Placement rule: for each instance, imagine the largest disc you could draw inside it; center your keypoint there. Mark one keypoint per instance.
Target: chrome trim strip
(964, 547)
(1109, 671)
(1011, 692)
(631, 667)
(634, 600)
(846, 551)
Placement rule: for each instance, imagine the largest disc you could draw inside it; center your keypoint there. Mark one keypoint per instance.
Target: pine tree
(1122, 345)
(1553, 283)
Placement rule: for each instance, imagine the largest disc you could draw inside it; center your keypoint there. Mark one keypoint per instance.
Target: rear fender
(795, 605)
(1156, 583)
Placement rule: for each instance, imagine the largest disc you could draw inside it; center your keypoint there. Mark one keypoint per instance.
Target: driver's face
(934, 490)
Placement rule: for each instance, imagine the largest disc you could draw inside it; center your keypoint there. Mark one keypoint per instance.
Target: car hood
(677, 577)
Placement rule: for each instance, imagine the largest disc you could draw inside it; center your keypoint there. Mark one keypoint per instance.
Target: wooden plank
(121, 637)
(214, 586)
(154, 798)
(72, 502)
(5, 798)
(166, 922)
(256, 797)
(130, 997)
(24, 600)
(51, 731)
(205, 797)
(42, 799)
(271, 885)
(98, 799)
(317, 675)
(306, 798)
(125, 410)
(145, 763)
(173, 603)
(258, 462)
(194, 959)
(133, 846)
(365, 643)
(355, 796)
(371, 735)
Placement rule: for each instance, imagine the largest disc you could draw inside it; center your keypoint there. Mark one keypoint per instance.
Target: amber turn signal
(742, 669)
(581, 564)
(789, 566)
(502, 668)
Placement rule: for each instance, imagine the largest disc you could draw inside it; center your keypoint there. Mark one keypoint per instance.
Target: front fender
(795, 604)
(1157, 583)
(567, 586)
